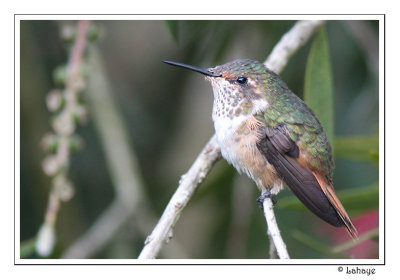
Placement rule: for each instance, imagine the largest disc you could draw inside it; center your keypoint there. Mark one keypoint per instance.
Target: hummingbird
(269, 133)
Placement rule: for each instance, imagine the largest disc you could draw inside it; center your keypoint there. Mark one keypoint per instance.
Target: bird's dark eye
(241, 80)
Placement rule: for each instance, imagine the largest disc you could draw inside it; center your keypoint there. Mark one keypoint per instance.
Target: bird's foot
(263, 196)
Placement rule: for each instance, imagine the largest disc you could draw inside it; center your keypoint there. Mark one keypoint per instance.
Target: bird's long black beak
(193, 68)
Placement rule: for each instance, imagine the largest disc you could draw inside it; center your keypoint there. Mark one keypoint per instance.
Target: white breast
(225, 129)
(227, 119)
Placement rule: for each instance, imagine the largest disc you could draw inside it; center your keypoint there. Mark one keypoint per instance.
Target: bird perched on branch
(267, 132)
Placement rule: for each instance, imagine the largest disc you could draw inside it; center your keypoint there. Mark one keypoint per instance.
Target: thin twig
(64, 126)
(273, 230)
(122, 165)
(289, 44)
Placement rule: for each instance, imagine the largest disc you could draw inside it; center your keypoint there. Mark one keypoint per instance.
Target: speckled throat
(229, 101)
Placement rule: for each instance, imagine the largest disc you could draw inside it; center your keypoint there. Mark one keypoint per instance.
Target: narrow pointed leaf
(370, 235)
(173, 28)
(365, 148)
(318, 84)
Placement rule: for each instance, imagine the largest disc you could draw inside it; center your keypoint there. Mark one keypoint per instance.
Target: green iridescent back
(287, 109)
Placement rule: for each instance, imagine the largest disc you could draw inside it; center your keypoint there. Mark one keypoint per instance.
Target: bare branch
(273, 230)
(288, 45)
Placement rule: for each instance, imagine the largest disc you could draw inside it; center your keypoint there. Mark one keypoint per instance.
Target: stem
(273, 231)
(64, 129)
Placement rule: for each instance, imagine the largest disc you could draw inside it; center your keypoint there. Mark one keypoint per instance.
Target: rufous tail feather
(334, 200)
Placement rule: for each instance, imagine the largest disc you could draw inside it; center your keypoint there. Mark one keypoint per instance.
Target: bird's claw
(263, 196)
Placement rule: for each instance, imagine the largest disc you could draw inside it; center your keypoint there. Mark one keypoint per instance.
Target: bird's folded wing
(282, 152)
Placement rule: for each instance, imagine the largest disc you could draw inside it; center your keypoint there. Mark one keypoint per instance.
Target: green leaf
(354, 200)
(369, 235)
(173, 28)
(364, 148)
(318, 84)
(336, 251)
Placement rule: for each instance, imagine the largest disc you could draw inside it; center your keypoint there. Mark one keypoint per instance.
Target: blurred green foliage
(173, 28)
(365, 148)
(168, 112)
(318, 85)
